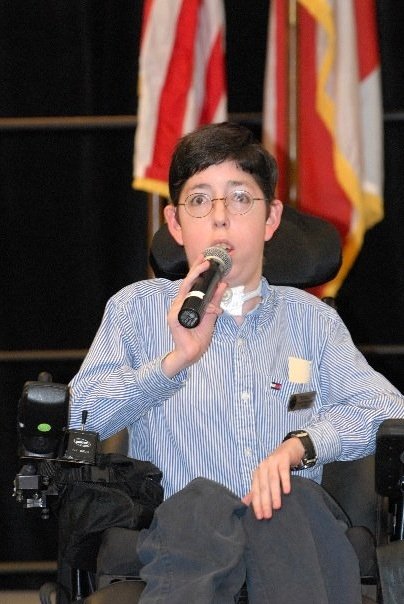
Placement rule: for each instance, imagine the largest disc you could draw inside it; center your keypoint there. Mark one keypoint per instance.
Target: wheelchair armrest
(364, 544)
(351, 484)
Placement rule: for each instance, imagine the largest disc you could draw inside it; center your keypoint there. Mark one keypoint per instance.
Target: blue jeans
(204, 543)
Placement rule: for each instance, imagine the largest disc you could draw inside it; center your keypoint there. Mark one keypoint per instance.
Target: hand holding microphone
(194, 305)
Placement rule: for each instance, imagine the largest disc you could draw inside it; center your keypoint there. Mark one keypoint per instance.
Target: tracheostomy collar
(234, 298)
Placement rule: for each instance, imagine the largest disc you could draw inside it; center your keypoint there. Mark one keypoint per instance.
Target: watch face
(307, 463)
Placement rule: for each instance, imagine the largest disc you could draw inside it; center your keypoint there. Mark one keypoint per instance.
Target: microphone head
(219, 255)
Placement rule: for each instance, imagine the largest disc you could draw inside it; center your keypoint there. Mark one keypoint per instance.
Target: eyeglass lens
(200, 204)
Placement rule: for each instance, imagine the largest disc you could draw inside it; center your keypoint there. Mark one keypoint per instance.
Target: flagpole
(292, 104)
(155, 205)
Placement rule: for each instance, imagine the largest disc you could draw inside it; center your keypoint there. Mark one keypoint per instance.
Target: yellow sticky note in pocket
(299, 370)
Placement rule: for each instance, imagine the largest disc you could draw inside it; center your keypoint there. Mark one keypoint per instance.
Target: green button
(44, 427)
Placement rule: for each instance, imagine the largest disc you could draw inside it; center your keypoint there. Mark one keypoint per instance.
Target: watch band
(309, 458)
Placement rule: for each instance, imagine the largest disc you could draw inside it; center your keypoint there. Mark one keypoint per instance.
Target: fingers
(214, 305)
(199, 267)
(270, 481)
(265, 493)
(190, 344)
(247, 499)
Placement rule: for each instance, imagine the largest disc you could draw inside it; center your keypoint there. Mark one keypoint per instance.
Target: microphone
(194, 305)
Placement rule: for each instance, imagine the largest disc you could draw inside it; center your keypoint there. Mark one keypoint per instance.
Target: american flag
(182, 81)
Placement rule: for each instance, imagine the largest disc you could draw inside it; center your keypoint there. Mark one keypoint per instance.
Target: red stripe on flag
(173, 98)
(147, 7)
(318, 190)
(215, 81)
(368, 45)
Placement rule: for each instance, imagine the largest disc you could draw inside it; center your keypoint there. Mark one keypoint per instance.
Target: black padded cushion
(341, 479)
(305, 251)
(352, 485)
(117, 554)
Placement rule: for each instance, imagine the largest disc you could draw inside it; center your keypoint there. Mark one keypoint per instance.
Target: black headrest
(305, 251)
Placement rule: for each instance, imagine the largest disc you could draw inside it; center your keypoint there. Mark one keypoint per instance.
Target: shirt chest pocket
(291, 398)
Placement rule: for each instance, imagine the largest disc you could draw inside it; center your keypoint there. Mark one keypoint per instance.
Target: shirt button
(245, 396)
(240, 342)
(248, 452)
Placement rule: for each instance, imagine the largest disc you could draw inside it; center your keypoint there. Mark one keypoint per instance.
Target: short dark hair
(214, 144)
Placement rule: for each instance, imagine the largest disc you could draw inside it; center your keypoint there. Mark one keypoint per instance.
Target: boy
(212, 403)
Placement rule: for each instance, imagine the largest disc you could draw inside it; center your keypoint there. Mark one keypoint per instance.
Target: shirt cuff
(156, 384)
(326, 441)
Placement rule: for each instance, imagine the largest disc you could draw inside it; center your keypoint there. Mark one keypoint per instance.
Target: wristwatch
(309, 458)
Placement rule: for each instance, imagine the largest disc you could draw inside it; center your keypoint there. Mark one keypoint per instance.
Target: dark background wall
(74, 231)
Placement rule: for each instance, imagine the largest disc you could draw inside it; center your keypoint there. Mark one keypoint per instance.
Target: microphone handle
(194, 305)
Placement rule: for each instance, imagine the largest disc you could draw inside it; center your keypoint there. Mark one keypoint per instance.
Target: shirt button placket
(245, 413)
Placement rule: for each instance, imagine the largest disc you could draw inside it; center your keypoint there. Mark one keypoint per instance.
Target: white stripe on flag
(155, 55)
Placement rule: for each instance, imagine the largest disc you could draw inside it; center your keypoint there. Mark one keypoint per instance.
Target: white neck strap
(234, 298)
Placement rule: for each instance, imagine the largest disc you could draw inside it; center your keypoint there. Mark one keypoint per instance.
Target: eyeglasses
(199, 205)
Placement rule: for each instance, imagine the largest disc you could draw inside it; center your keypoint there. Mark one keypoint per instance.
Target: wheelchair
(305, 252)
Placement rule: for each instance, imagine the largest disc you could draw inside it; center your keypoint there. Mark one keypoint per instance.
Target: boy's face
(243, 236)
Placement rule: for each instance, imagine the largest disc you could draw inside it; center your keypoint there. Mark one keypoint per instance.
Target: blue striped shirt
(223, 415)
